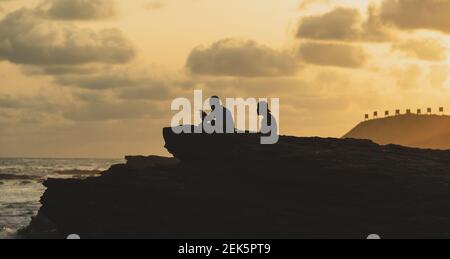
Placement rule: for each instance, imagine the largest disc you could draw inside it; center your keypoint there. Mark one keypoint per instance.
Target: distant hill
(421, 131)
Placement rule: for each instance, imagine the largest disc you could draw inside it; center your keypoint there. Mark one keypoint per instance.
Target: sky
(95, 78)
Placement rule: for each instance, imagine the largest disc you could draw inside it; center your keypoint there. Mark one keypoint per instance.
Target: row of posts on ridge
(429, 111)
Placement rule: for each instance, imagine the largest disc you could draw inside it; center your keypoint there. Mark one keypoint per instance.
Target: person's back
(269, 124)
(228, 120)
(220, 120)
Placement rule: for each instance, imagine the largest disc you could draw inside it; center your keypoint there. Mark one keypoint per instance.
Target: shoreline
(22, 186)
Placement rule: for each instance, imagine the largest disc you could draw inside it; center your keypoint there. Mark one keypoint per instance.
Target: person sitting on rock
(220, 120)
(269, 125)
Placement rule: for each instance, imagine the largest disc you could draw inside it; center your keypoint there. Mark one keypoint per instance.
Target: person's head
(214, 102)
(263, 107)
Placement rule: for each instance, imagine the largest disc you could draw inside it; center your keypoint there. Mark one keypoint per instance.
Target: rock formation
(229, 186)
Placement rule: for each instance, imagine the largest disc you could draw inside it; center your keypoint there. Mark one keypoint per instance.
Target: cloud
(26, 38)
(241, 58)
(417, 14)
(126, 83)
(331, 54)
(80, 106)
(92, 106)
(35, 103)
(155, 4)
(438, 75)
(254, 87)
(3, 8)
(406, 77)
(79, 9)
(307, 3)
(102, 81)
(339, 24)
(8, 102)
(60, 70)
(343, 24)
(111, 110)
(130, 82)
(424, 49)
(153, 91)
(373, 28)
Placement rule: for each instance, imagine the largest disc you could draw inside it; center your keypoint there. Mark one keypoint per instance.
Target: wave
(76, 173)
(21, 185)
(19, 177)
(7, 233)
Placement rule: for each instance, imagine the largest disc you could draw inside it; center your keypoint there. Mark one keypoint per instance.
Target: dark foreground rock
(299, 188)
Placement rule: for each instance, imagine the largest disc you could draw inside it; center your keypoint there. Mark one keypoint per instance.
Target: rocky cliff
(421, 131)
(222, 186)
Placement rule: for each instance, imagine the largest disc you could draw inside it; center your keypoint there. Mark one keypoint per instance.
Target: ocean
(21, 185)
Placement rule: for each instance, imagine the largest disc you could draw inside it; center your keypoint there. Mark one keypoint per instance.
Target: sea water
(21, 185)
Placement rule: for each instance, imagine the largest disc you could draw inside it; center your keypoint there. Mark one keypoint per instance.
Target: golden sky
(95, 78)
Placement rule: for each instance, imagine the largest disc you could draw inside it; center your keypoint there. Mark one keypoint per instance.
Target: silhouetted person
(269, 125)
(220, 120)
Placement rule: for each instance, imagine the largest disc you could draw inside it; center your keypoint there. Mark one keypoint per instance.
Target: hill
(420, 131)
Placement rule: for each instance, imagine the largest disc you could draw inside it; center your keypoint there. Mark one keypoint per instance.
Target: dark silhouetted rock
(232, 187)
